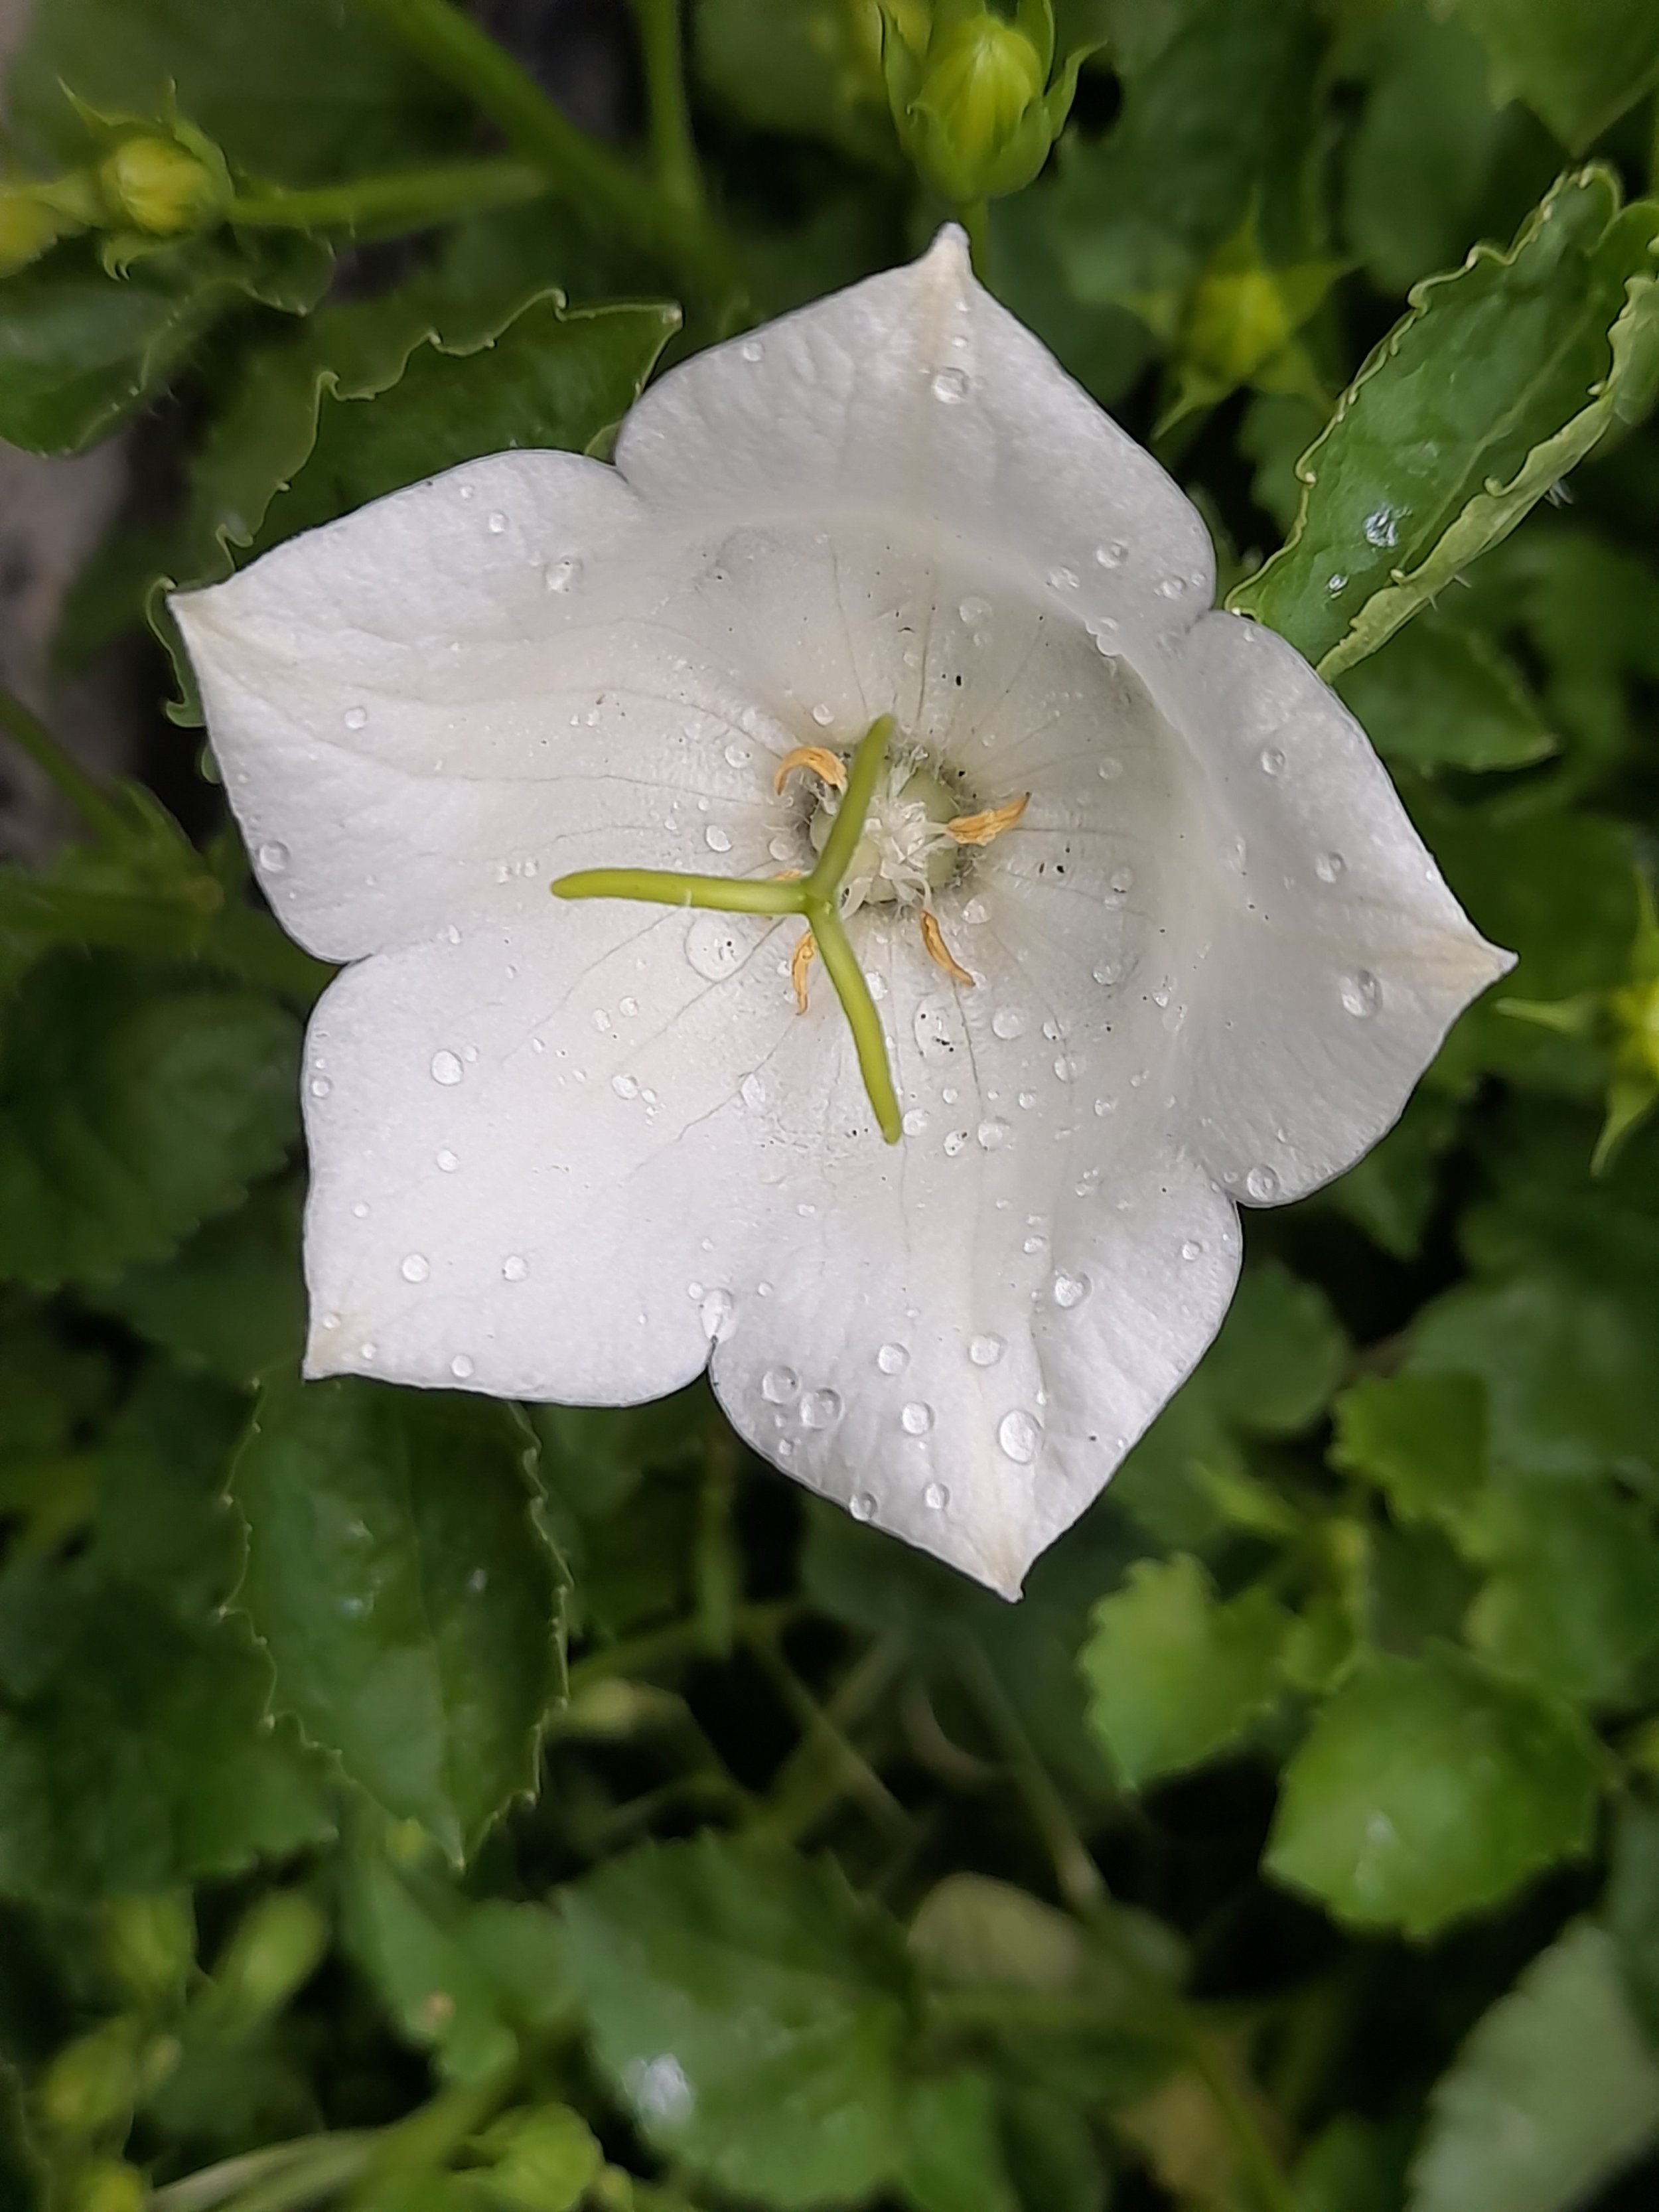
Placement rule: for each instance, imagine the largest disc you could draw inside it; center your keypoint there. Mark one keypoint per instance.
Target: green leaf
(1351, 2166)
(951, 2159)
(1209, 127)
(1578, 67)
(1422, 1439)
(1437, 698)
(230, 1300)
(80, 350)
(1428, 1788)
(543, 2160)
(1279, 1355)
(1571, 1597)
(465, 1979)
(1470, 410)
(1552, 2095)
(1174, 1674)
(143, 890)
(1633, 1909)
(1423, 148)
(400, 1577)
(754, 2013)
(302, 90)
(1390, 1194)
(807, 68)
(134, 1103)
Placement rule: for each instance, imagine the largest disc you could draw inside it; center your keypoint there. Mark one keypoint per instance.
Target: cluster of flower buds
(973, 92)
(152, 181)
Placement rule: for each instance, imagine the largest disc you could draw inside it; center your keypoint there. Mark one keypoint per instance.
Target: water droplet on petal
(625, 1086)
(936, 1497)
(985, 1350)
(514, 1267)
(496, 523)
(716, 839)
(752, 350)
(1192, 1249)
(975, 912)
(1066, 1069)
(415, 1268)
(993, 1135)
(445, 1067)
(355, 718)
(1362, 993)
(974, 612)
(916, 1418)
(739, 755)
(956, 1142)
(1112, 555)
(752, 1091)
(1109, 769)
(1063, 579)
(1262, 1183)
(320, 1086)
(915, 1122)
(461, 1366)
(862, 1506)
(1272, 760)
(560, 575)
(447, 1162)
(779, 1385)
(820, 1409)
(823, 716)
(714, 946)
(1019, 1434)
(950, 386)
(1328, 866)
(1070, 1290)
(893, 1358)
(273, 857)
(1008, 1021)
(1123, 880)
(1172, 587)
(715, 1311)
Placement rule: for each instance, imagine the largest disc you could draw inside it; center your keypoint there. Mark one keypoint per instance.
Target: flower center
(906, 852)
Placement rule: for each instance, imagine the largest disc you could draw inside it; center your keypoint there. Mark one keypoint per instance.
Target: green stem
(826, 1764)
(100, 814)
(663, 887)
(847, 828)
(673, 149)
(590, 174)
(400, 199)
(976, 219)
(841, 965)
(314, 2164)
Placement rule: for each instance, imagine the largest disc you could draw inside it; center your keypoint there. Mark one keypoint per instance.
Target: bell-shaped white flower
(1132, 925)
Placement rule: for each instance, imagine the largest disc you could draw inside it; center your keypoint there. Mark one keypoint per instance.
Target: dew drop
(893, 1358)
(1381, 527)
(715, 1311)
(752, 1091)
(1336, 584)
(820, 1409)
(461, 1366)
(713, 947)
(366, 1351)
(974, 612)
(320, 1086)
(560, 575)
(1123, 880)
(975, 912)
(447, 1162)
(445, 1067)
(915, 1122)
(950, 386)
(514, 1267)
(330, 1320)
(1112, 555)
(823, 716)
(1192, 1249)
(1063, 579)
(936, 1497)
(1328, 866)
(779, 1385)
(416, 1267)
(1262, 1183)
(1070, 1290)
(274, 859)
(716, 839)
(863, 1505)
(993, 1135)
(1271, 760)
(1066, 1069)
(956, 1142)
(1362, 993)
(355, 718)
(1109, 769)
(1019, 1434)
(1008, 1022)
(739, 755)
(916, 1418)
(985, 1350)
(752, 350)
(496, 523)
(625, 1086)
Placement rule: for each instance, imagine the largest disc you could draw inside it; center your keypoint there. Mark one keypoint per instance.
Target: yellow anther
(799, 961)
(940, 953)
(790, 875)
(980, 828)
(829, 767)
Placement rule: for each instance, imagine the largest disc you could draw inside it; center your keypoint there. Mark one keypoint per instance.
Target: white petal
(1339, 958)
(915, 396)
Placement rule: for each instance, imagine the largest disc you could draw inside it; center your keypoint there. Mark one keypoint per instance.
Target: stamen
(799, 961)
(940, 952)
(981, 828)
(829, 767)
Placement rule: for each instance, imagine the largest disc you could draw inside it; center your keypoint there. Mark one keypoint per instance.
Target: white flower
(1181, 946)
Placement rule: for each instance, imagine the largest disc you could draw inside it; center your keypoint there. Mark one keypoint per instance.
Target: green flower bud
(973, 102)
(91, 2085)
(1237, 319)
(108, 2184)
(152, 1945)
(275, 1951)
(27, 228)
(165, 187)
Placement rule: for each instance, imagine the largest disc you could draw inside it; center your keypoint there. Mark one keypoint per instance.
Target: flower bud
(27, 228)
(152, 1945)
(165, 187)
(1237, 319)
(91, 2084)
(109, 2185)
(973, 102)
(275, 1951)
